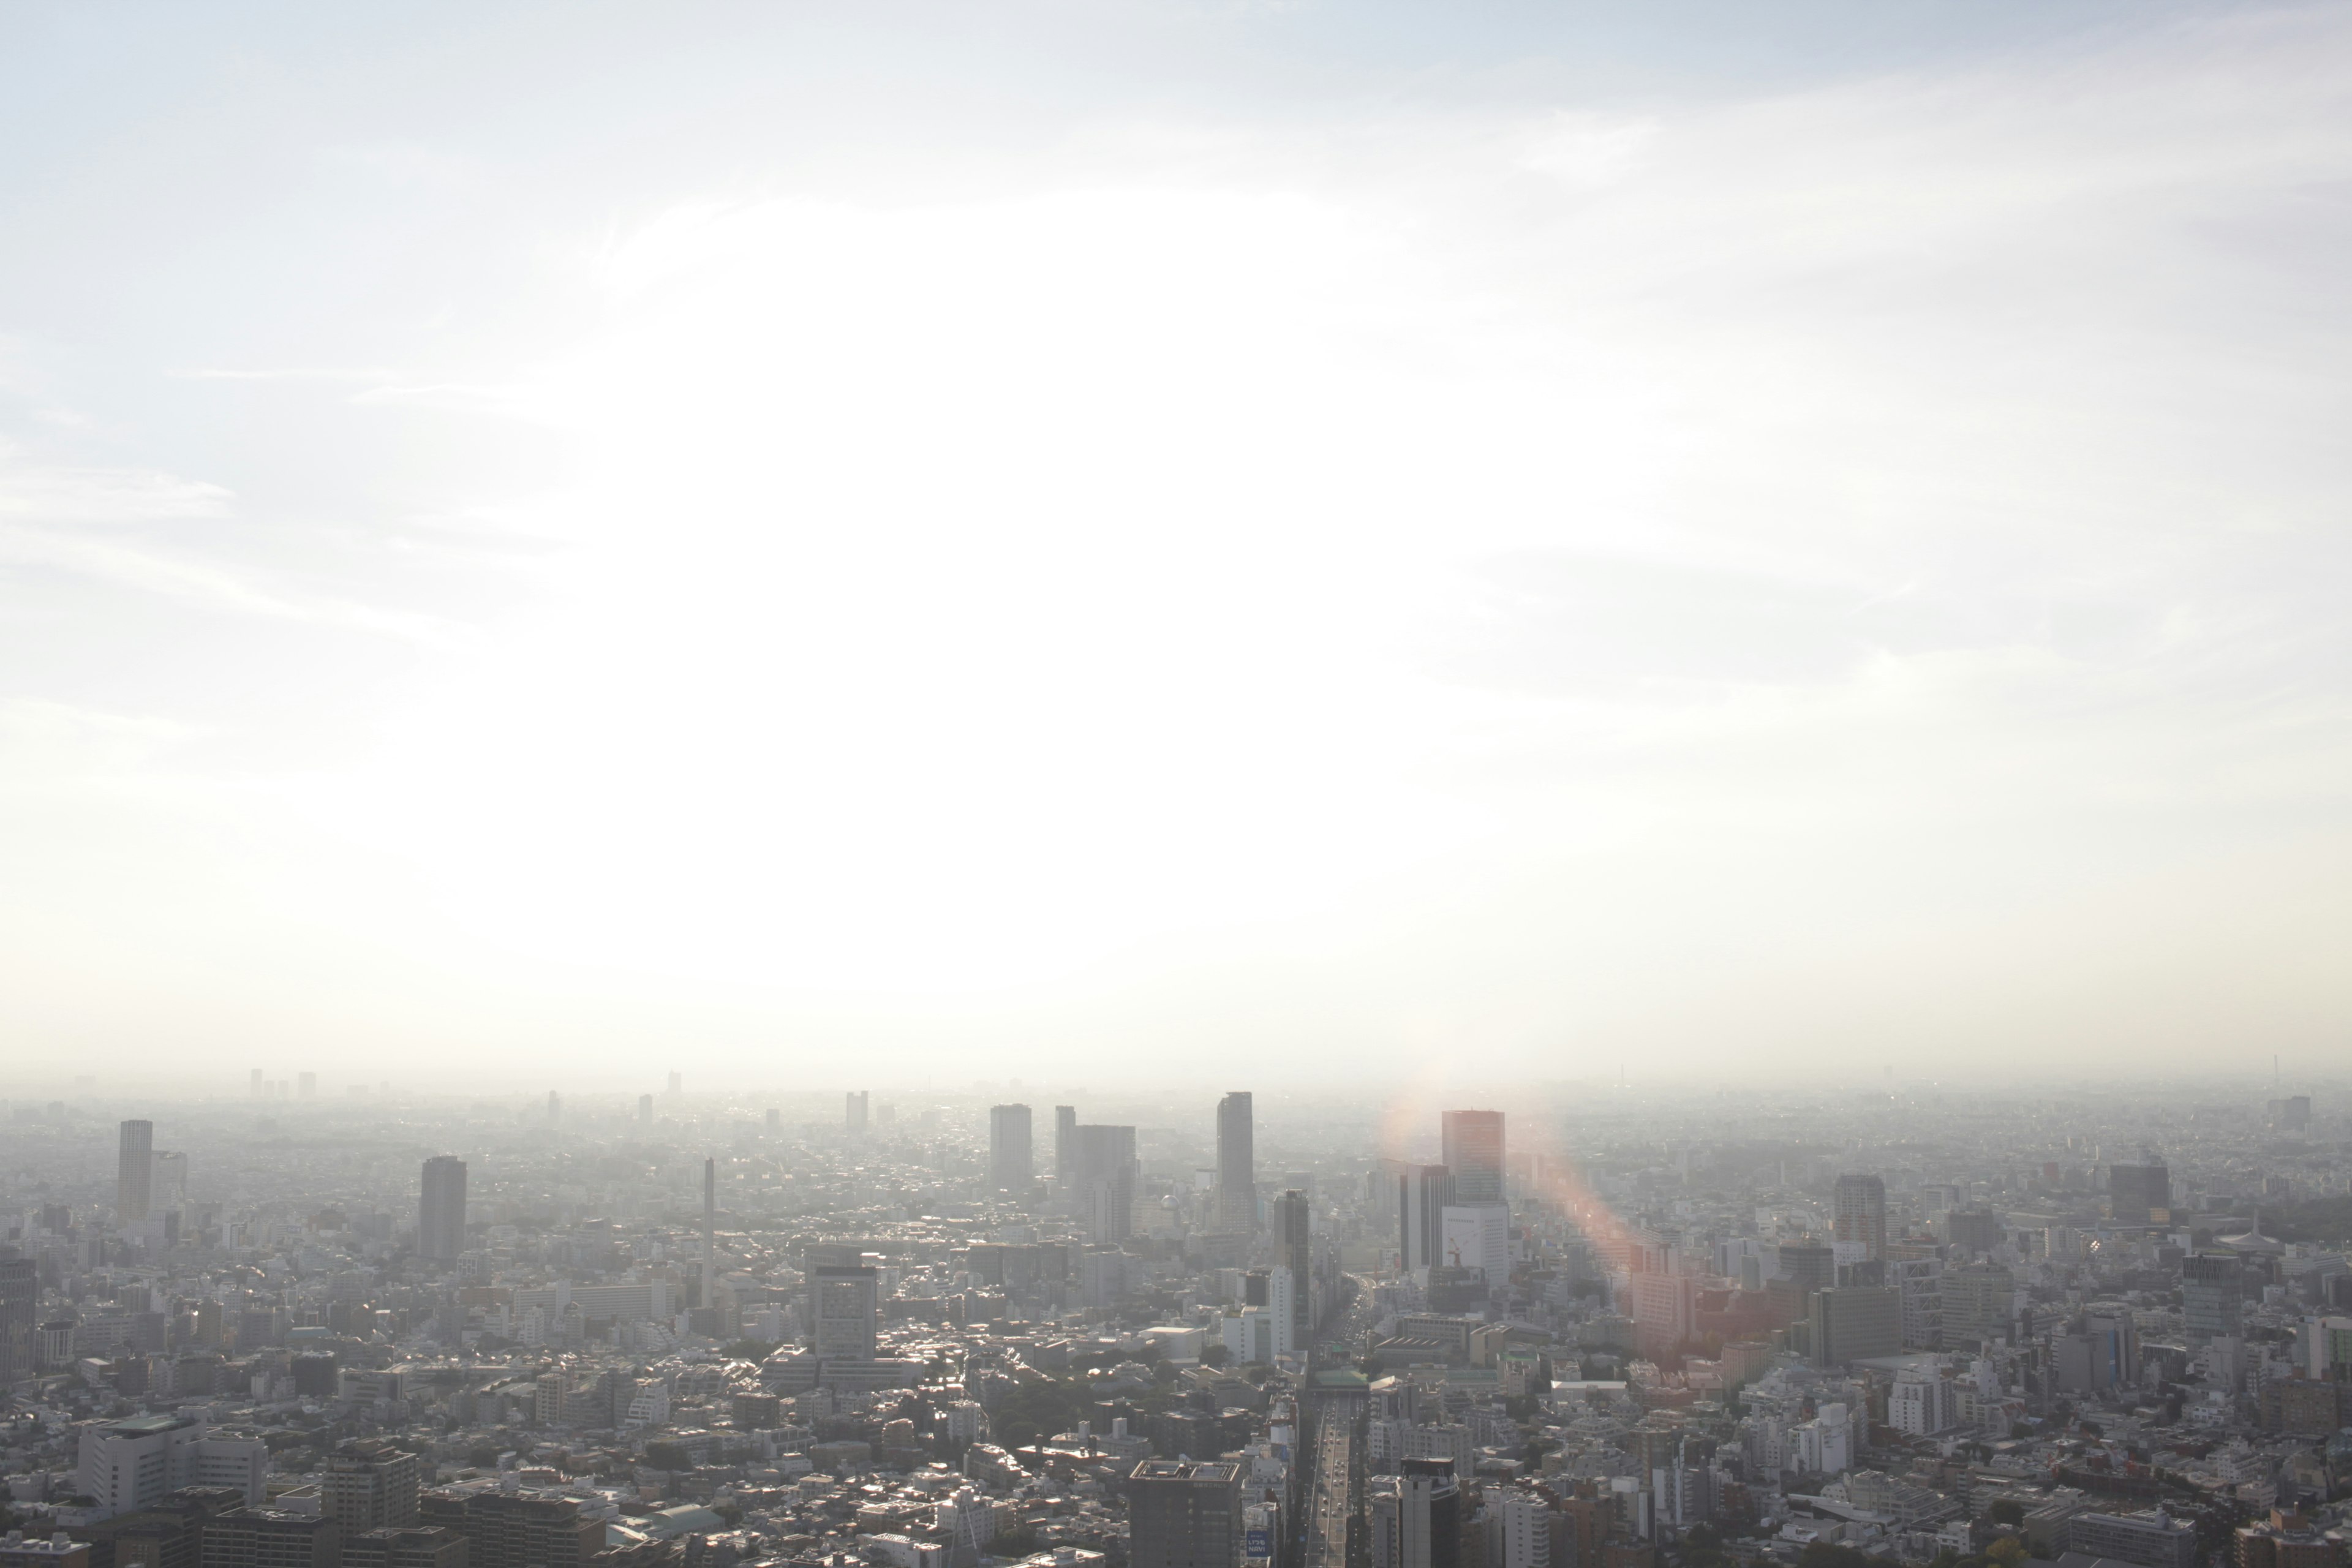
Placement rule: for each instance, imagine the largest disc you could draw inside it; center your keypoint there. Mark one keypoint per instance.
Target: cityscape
(1176, 783)
(1608, 1326)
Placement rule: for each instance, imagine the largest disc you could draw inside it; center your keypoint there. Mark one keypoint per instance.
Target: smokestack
(710, 1232)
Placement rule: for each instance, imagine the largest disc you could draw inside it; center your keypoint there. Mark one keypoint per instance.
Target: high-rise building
(858, 1118)
(1011, 1164)
(2212, 1297)
(1236, 1163)
(1422, 1192)
(1855, 1322)
(1858, 1210)
(554, 1108)
(1066, 1143)
(1102, 1180)
(20, 1318)
(1293, 1250)
(1416, 1518)
(1472, 1148)
(844, 1311)
(1980, 1305)
(2139, 1194)
(134, 1182)
(1971, 1231)
(441, 1208)
(367, 1486)
(1183, 1514)
(646, 1109)
(710, 1234)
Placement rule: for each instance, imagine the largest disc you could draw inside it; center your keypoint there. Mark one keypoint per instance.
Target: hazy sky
(1277, 540)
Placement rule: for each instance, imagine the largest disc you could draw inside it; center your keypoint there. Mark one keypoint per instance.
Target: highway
(1327, 1512)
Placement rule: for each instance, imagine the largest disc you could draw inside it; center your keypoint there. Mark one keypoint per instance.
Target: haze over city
(1037, 541)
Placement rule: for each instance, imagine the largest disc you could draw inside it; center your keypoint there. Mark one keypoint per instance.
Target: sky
(1293, 542)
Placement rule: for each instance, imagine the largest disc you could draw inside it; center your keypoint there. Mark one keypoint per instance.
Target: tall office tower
(366, 1486)
(844, 1311)
(1103, 1179)
(1416, 1518)
(134, 1182)
(2139, 1194)
(1292, 1249)
(554, 1108)
(710, 1232)
(1182, 1514)
(858, 1110)
(256, 1091)
(2212, 1297)
(1236, 1163)
(1066, 1142)
(1011, 1166)
(1858, 1213)
(1422, 1192)
(20, 1318)
(441, 1208)
(646, 1109)
(1472, 1144)
(306, 1086)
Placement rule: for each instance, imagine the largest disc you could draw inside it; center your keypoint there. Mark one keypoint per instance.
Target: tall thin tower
(134, 1184)
(709, 1232)
(1236, 1163)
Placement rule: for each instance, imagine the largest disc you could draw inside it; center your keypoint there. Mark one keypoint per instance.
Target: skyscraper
(20, 1309)
(1473, 1150)
(710, 1232)
(1236, 1163)
(1103, 1180)
(1422, 1192)
(1010, 1165)
(844, 1311)
(1066, 1142)
(1416, 1518)
(134, 1182)
(858, 1110)
(644, 1110)
(2137, 1195)
(1292, 1249)
(441, 1208)
(1858, 1213)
